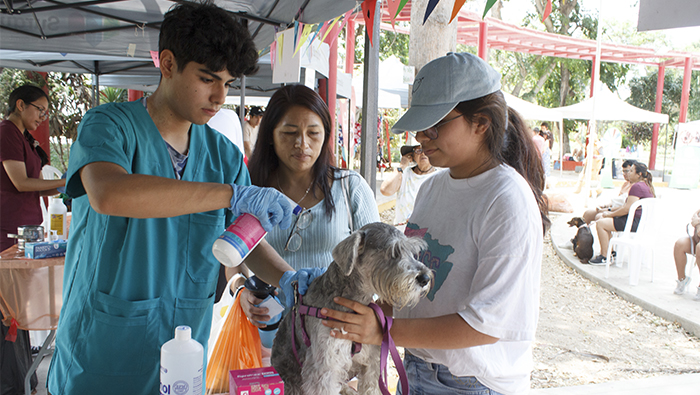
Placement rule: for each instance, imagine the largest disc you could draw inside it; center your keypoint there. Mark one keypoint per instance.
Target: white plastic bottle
(182, 364)
(57, 216)
(240, 238)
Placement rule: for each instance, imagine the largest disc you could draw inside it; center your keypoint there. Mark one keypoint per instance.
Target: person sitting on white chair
(687, 245)
(615, 219)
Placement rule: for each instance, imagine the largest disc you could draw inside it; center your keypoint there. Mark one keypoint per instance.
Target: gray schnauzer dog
(377, 259)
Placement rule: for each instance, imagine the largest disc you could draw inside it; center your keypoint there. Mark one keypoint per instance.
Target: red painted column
(134, 94)
(482, 50)
(349, 45)
(333, 78)
(685, 93)
(657, 108)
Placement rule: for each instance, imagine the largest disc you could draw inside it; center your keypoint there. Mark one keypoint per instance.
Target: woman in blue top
(294, 155)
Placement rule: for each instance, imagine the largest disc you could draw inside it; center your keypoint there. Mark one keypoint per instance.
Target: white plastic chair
(640, 243)
(49, 172)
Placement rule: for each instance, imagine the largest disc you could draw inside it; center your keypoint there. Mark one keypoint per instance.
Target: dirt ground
(588, 335)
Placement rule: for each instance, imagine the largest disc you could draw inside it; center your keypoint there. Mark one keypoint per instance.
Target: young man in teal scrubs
(153, 187)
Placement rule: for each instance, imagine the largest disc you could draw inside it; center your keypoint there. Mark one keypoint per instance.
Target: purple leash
(303, 310)
(389, 346)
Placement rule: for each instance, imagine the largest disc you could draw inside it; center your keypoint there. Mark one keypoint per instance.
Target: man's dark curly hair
(201, 32)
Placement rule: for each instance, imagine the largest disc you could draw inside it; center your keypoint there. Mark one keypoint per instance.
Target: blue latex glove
(63, 188)
(268, 205)
(304, 277)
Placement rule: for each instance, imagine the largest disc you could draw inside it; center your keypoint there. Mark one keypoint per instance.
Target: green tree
(113, 95)
(70, 98)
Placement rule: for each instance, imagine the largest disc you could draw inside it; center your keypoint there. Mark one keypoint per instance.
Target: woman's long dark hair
(509, 141)
(28, 94)
(643, 171)
(264, 160)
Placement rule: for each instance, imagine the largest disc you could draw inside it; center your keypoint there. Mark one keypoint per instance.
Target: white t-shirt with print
(484, 238)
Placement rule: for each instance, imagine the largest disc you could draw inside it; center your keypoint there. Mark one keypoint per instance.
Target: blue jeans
(434, 379)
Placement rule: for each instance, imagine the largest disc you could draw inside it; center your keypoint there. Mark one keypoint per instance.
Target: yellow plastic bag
(237, 347)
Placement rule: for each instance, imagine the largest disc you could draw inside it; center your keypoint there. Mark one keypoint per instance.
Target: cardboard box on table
(260, 381)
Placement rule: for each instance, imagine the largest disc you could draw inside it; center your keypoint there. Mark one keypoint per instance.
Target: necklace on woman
(305, 193)
(423, 172)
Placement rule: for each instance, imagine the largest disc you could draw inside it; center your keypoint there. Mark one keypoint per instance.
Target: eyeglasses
(626, 170)
(417, 151)
(294, 240)
(432, 132)
(44, 112)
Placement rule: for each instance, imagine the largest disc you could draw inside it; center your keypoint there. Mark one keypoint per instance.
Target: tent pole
(241, 109)
(665, 150)
(370, 99)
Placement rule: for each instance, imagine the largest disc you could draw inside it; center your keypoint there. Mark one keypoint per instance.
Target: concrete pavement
(656, 297)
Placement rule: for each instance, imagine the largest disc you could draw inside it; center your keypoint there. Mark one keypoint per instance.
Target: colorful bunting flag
(368, 8)
(393, 6)
(547, 10)
(330, 27)
(455, 10)
(489, 4)
(296, 34)
(429, 10)
(401, 6)
(304, 36)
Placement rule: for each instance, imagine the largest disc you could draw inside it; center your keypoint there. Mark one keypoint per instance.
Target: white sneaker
(697, 295)
(681, 285)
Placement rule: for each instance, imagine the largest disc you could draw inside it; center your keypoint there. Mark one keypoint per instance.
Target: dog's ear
(345, 254)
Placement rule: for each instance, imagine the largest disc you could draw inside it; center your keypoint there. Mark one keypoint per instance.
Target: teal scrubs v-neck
(129, 282)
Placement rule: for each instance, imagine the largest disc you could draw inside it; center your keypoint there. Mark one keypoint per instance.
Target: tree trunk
(563, 94)
(433, 39)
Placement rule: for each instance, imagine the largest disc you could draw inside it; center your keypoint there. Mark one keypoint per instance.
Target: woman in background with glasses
(294, 154)
(407, 180)
(22, 159)
(20, 188)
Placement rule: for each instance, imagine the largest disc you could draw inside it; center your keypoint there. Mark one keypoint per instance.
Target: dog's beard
(404, 289)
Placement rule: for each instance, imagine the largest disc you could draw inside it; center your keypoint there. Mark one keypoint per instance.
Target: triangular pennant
(280, 47)
(547, 10)
(455, 10)
(296, 34)
(330, 27)
(345, 20)
(304, 36)
(156, 58)
(393, 6)
(273, 54)
(342, 25)
(368, 8)
(401, 6)
(489, 4)
(318, 29)
(429, 10)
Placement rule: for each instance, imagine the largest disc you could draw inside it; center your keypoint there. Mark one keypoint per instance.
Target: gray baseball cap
(442, 84)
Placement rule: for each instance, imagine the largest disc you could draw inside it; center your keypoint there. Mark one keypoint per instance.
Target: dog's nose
(423, 279)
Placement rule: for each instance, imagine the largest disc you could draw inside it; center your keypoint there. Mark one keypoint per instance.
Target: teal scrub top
(129, 282)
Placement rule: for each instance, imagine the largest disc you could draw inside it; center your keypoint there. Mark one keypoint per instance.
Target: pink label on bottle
(248, 228)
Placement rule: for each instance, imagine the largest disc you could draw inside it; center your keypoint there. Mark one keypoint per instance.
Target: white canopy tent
(610, 108)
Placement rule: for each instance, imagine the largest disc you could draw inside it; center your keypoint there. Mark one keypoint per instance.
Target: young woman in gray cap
(483, 218)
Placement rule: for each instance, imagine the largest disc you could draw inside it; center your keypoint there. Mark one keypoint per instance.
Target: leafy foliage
(113, 95)
(637, 133)
(70, 98)
(643, 93)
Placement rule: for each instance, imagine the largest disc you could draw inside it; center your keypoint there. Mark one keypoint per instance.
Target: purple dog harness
(387, 343)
